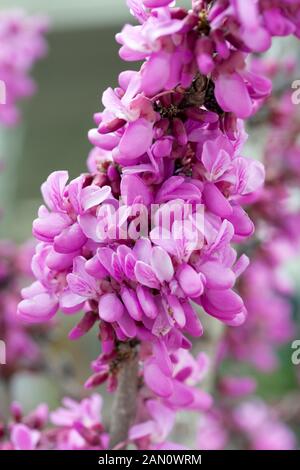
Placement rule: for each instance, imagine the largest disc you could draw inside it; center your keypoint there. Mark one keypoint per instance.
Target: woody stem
(125, 402)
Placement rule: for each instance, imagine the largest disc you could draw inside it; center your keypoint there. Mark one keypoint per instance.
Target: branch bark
(125, 402)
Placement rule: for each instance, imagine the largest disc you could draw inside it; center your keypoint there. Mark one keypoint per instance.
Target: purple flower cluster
(74, 426)
(269, 325)
(168, 146)
(266, 289)
(213, 38)
(22, 44)
(254, 423)
(265, 286)
(79, 426)
(21, 349)
(155, 417)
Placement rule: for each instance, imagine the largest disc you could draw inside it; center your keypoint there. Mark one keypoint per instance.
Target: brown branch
(125, 402)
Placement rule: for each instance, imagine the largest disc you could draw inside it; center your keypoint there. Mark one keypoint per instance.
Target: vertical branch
(125, 402)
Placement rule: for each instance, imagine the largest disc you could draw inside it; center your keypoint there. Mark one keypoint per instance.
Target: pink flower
(171, 134)
(174, 382)
(87, 412)
(23, 43)
(158, 427)
(24, 438)
(211, 435)
(75, 426)
(22, 352)
(264, 431)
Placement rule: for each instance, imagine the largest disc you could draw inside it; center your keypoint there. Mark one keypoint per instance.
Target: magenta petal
(186, 191)
(217, 276)
(215, 201)
(109, 259)
(132, 188)
(71, 302)
(147, 301)
(53, 189)
(259, 40)
(156, 380)
(174, 308)
(142, 250)
(216, 160)
(241, 265)
(155, 73)
(89, 226)
(95, 269)
(156, 3)
(111, 308)
(202, 400)
(162, 324)
(128, 326)
(162, 357)
(85, 324)
(94, 380)
(59, 261)
(163, 416)
(81, 286)
(247, 13)
(122, 252)
(168, 187)
(70, 239)
(93, 196)
(223, 304)
(141, 430)
(162, 264)
(48, 227)
(104, 141)
(32, 290)
(261, 85)
(145, 275)
(238, 320)
(243, 225)
(182, 395)
(24, 438)
(136, 139)
(130, 262)
(232, 95)
(131, 303)
(189, 280)
(38, 309)
(193, 325)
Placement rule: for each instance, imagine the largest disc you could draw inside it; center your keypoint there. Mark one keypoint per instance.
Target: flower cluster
(253, 424)
(167, 147)
(155, 417)
(265, 287)
(79, 426)
(74, 426)
(166, 150)
(22, 44)
(214, 38)
(21, 348)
